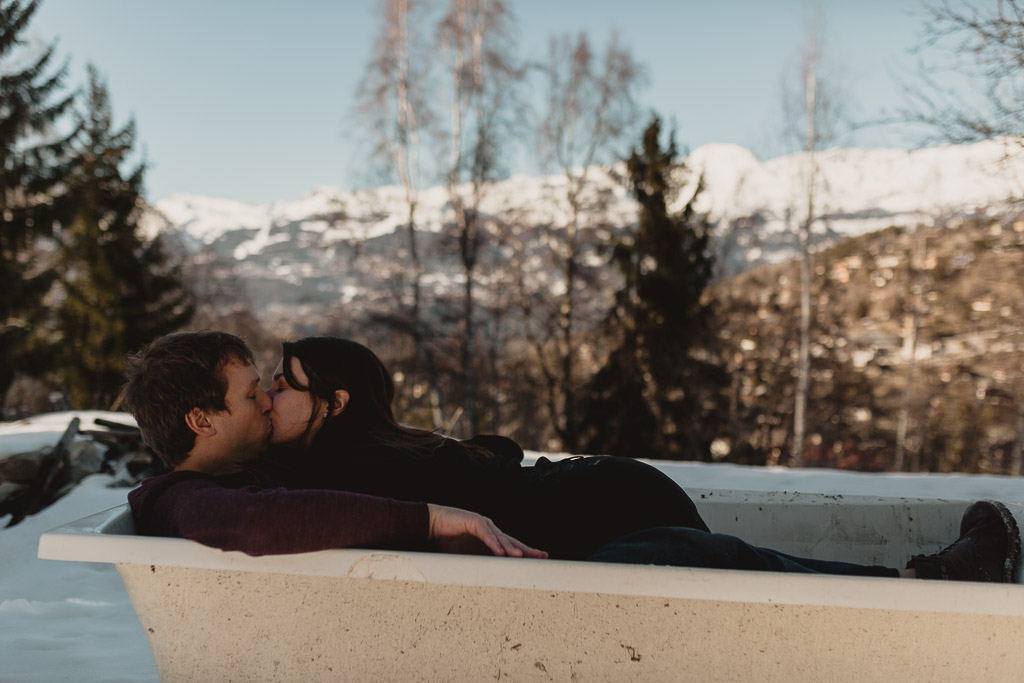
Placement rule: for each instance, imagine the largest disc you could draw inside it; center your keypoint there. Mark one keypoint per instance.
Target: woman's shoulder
(500, 448)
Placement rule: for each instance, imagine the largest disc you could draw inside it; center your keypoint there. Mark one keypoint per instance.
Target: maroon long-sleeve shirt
(241, 512)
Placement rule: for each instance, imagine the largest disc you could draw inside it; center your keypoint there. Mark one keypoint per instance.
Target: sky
(252, 99)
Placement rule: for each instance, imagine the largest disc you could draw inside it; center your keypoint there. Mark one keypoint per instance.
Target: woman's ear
(340, 401)
(199, 422)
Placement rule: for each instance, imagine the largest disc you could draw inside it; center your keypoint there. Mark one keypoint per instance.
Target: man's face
(243, 430)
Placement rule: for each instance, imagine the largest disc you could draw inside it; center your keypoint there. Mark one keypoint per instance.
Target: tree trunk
(570, 435)
(903, 420)
(418, 337)
(469, 328)
(804, 359)
(804, 353)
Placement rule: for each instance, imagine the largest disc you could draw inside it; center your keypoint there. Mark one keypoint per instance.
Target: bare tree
(914, 307)
(972, 70)
(393, 104)
(589, 107)
(476, 39)
(812, 113)
(972, 74)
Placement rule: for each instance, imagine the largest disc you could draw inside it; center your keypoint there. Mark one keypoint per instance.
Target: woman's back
(568, 507)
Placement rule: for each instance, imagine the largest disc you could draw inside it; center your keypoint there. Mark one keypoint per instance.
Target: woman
(333, 427)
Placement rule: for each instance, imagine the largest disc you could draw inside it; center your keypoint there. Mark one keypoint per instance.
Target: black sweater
(568, 508)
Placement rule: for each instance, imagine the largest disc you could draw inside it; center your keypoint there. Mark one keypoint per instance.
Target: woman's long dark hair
(331, 364)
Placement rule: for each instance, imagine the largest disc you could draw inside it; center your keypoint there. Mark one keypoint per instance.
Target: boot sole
(1012, 541)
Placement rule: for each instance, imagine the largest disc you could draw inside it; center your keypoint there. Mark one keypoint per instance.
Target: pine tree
(121, 290)
(33, 162)
(656, 394)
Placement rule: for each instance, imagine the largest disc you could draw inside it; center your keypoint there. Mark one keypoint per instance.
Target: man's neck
(213, 464)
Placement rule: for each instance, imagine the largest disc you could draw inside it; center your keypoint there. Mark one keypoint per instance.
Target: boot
(987, 550)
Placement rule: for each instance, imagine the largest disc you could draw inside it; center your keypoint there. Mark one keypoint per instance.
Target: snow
(46, 429)
(73, 621)
(861, 189)
(205, 218)
(698, 475)
(67, 621)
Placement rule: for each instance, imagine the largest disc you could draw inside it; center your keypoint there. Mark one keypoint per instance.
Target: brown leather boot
(987, 550)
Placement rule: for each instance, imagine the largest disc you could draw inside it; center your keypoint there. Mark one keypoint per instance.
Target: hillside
(938, 307)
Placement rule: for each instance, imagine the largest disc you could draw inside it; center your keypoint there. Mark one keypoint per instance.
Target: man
(197, 400)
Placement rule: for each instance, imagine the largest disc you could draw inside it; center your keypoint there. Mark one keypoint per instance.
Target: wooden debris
(33, 480)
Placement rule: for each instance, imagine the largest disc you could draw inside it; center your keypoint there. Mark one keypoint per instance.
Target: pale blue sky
(248, 99)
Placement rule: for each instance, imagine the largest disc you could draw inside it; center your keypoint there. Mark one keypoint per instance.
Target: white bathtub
(370, 615)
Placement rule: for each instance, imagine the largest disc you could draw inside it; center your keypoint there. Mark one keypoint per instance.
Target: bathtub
(376, 615)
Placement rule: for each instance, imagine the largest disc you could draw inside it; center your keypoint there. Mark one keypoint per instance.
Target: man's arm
(274, 521)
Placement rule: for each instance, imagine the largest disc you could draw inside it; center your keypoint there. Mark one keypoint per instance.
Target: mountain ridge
(861, 190)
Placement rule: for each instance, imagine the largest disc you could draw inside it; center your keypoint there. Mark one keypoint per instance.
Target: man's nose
(266, 403)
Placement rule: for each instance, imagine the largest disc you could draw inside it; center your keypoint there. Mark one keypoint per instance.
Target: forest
(574, 331)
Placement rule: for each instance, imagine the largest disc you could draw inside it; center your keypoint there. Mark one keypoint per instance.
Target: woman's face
(292, 408)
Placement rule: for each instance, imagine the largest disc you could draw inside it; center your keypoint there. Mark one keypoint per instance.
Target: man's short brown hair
(173, 375)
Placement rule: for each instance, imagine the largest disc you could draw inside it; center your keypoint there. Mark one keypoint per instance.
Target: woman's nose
(267, 402)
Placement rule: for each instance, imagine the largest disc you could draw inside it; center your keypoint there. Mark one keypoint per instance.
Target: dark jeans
(682, 547)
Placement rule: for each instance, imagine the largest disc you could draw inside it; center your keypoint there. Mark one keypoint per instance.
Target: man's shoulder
(151, 488)
(162, 481)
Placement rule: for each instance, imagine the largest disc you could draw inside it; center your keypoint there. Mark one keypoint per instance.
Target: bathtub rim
(91, 539)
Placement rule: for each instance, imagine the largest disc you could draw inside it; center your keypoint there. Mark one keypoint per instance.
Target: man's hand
(449, 524)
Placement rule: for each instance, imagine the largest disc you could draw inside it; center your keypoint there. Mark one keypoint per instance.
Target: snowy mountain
(335, 244)
(861, 189)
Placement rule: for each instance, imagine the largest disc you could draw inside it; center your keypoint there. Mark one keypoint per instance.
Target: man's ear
(340, 401)
(199, 422)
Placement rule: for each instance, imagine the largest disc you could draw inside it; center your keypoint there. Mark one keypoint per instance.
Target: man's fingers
(446, 522)
(516, 548)
(510, 546)
(490, 535)
(527, 551)
(502, 539)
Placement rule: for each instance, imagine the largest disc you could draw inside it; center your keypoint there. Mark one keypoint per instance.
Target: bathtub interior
(862, 529)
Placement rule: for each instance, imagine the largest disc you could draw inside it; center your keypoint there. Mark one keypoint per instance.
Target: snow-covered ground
(73, 621)
(67, 621)
(45, 429)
